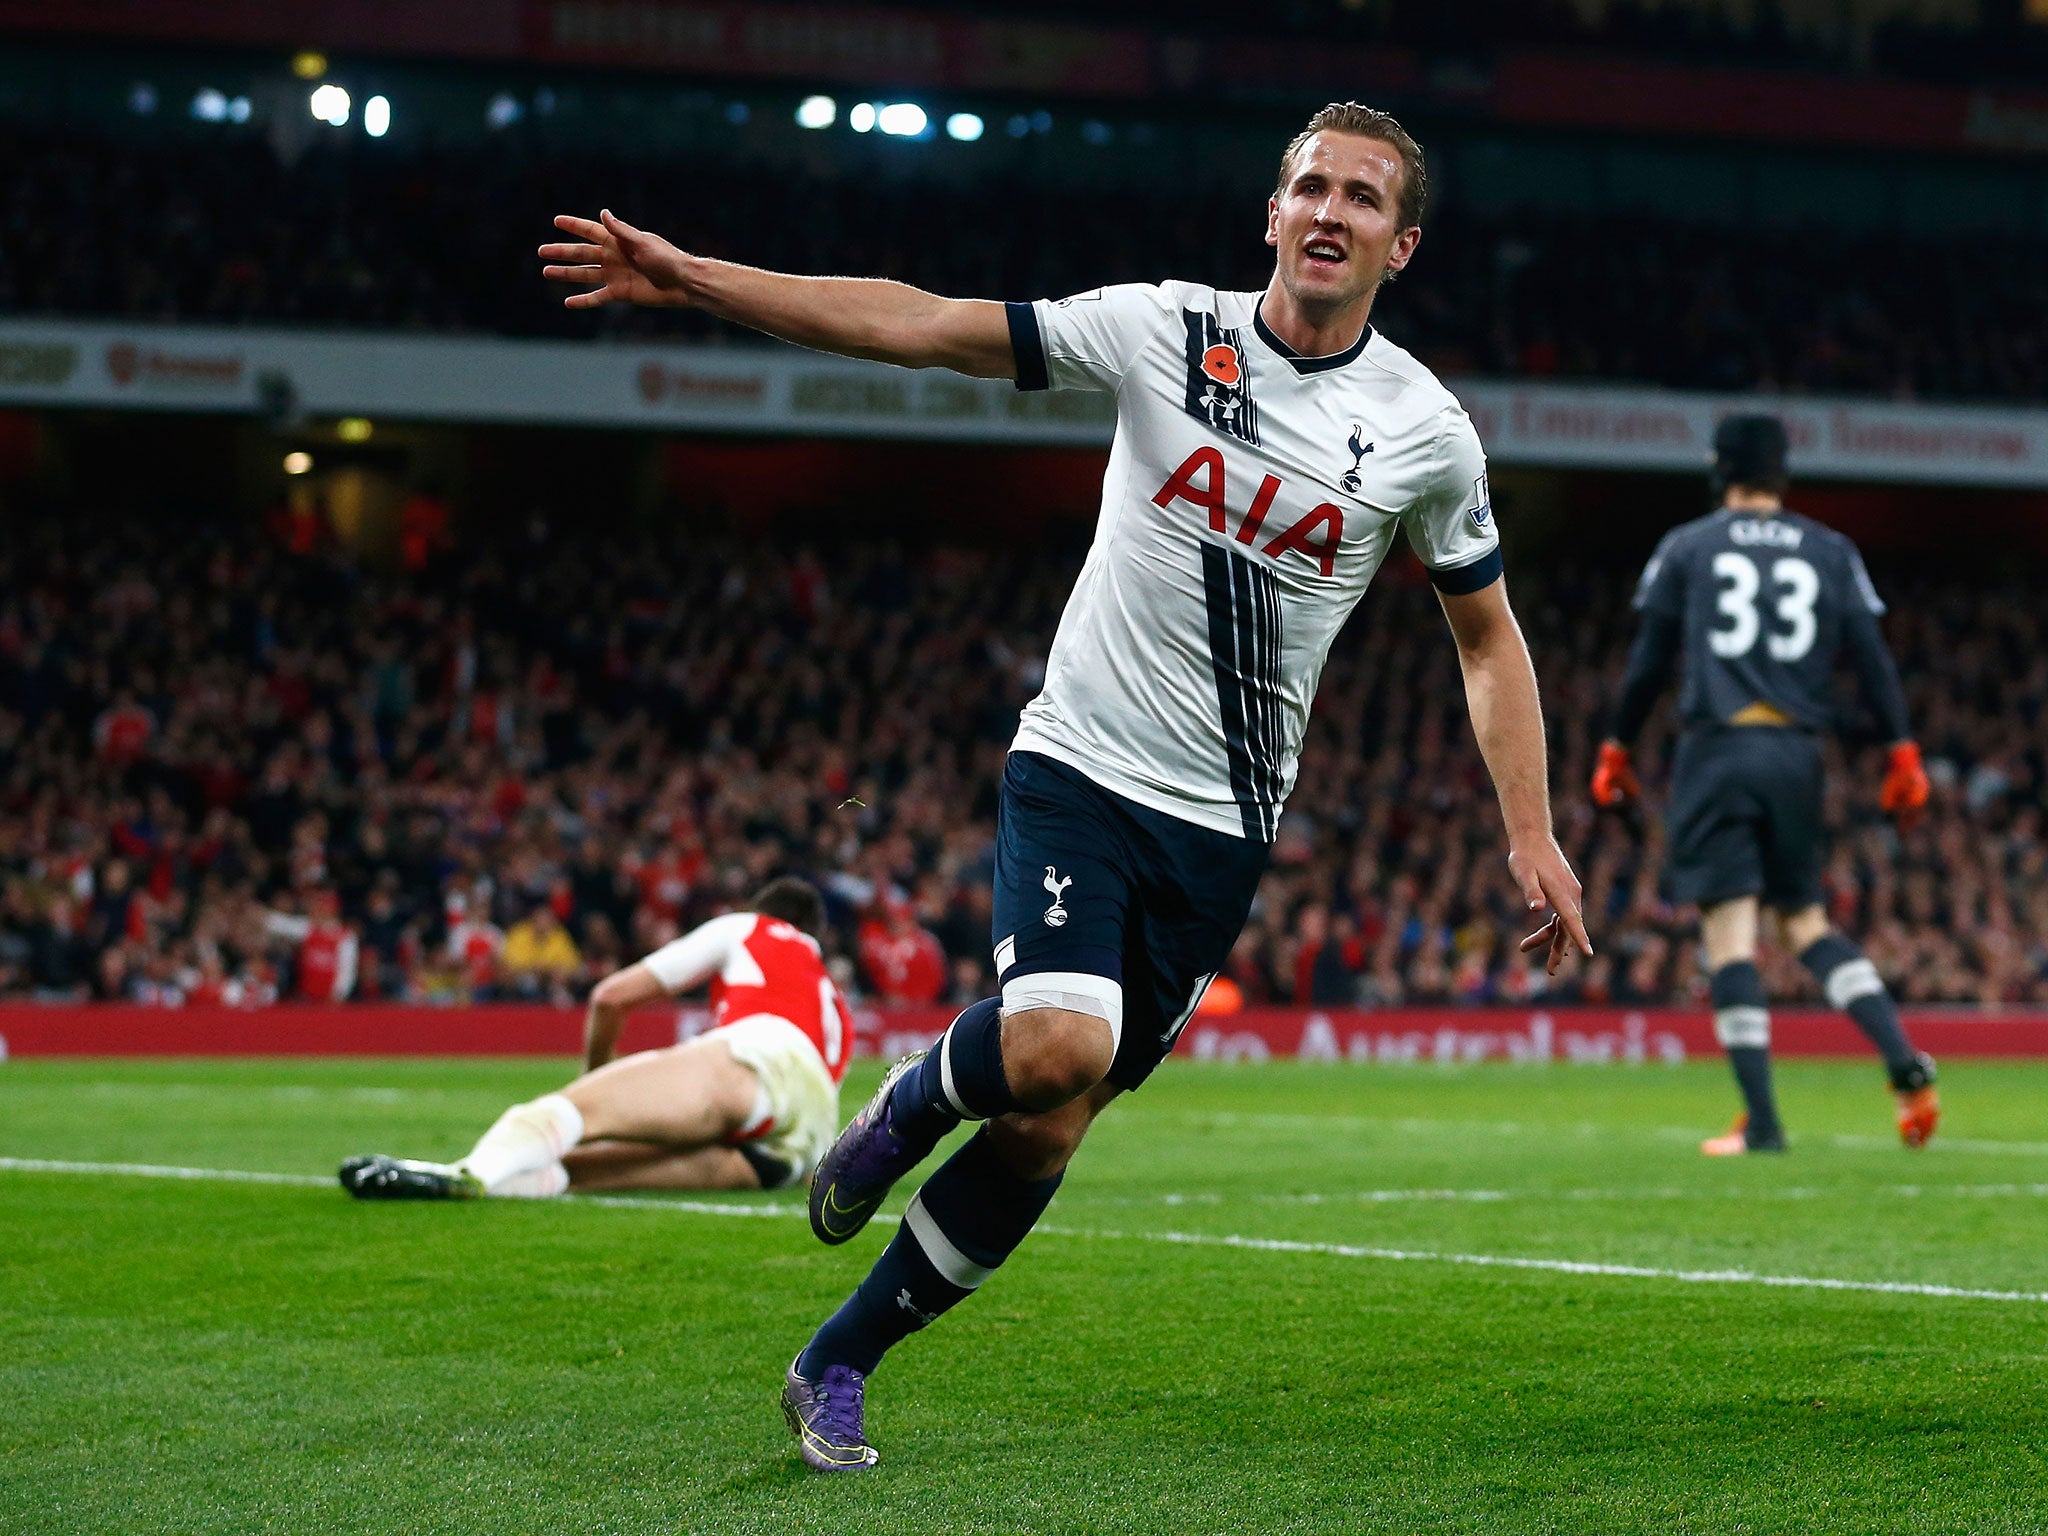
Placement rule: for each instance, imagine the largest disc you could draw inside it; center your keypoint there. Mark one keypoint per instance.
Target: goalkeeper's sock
(1852, 984)
(1742, 1023)
(968, 1218)
(526, 1139)
(960, 1078)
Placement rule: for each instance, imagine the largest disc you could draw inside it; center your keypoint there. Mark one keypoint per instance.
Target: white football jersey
(1251, 494)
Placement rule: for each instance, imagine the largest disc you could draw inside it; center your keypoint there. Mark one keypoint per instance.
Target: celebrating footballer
(1268, 447)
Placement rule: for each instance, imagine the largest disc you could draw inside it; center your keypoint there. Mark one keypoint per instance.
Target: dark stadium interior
(1925, 42)
(1555, 249)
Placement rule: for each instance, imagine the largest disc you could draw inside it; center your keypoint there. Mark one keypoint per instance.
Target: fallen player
(752, 1103)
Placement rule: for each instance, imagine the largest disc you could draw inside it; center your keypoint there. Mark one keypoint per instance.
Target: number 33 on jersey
(1763, 603)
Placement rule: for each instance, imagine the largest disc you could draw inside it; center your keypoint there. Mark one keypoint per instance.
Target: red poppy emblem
(1220, 363)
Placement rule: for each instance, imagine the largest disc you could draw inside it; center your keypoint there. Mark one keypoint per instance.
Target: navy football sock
(1742, 1023)
(968, 1218)
(960, 1078)
(1752, 1066)
(1852, 984)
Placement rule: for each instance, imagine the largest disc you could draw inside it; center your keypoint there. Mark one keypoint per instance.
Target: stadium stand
(1913, 39)
(233, 772)
(225, 231)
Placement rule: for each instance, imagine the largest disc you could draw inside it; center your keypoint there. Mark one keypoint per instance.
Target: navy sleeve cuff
(1028, 346)
(1460, 579)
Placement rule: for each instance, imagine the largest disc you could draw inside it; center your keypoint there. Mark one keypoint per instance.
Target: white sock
(527, 1138)
(534, 1184)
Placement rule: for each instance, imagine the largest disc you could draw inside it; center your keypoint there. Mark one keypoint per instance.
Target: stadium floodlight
(297, 462)
(377, 116)
(238, 109)
(902, 120)
(862, 117)
(964, 126)
(330, 104)
(210, 105)
(504, 110)
(816, 112)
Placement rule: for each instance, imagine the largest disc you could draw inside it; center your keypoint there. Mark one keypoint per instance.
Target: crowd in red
(234, 772)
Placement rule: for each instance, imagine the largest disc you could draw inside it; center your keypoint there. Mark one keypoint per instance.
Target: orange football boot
(1733, 1144)
(1919, 1114)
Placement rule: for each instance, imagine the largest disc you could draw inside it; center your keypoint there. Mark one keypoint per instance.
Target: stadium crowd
(224, 231)
(229, 772)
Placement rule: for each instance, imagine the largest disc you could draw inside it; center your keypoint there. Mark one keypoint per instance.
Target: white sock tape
(946, 1087)
(946, 1259)
(1072, 991)
(1744, 1026)
(1852, 979)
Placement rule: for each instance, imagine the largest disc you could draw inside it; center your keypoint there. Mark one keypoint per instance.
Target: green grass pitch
(1214, 1333)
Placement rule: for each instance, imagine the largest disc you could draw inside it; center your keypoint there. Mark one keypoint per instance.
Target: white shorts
(798, 1105)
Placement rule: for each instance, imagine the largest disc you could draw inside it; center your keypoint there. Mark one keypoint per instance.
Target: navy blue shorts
(1091, 884)
(1745, 818)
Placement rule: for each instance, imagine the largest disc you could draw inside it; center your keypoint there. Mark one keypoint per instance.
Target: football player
(1269, 447)
(750, 1104)
(1762, 603)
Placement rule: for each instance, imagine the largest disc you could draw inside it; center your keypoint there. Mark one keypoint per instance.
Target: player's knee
(1052, 1055)
(1805, 928)
(1037, 1146)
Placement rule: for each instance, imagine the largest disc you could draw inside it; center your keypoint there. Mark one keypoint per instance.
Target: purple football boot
(824, 1415)
(864, 1164)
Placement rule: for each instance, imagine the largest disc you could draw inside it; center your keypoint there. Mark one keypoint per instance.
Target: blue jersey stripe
(1243, 604)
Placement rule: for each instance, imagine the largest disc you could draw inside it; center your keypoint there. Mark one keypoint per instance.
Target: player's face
(1336, 224)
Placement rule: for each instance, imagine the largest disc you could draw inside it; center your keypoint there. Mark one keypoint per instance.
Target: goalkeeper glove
(1904, 795)
(1614, 776)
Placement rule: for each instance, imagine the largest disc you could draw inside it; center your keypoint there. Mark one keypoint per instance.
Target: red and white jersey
(327, 954)
(759, 964)
(327, 963)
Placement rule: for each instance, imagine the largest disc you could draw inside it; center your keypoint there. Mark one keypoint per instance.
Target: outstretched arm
(1500, 690)
(614, 263)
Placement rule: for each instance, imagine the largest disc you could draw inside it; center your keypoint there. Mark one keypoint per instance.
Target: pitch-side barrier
(1445, 1036)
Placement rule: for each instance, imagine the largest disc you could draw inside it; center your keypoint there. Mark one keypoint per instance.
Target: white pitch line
(1645, 1196)
(1181, 1239)
(1553, 1266)
(158, 1171)
(1945, 1144)
(693, 1207)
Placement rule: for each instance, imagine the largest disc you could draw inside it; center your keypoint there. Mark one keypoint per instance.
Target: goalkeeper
(1761, 602)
